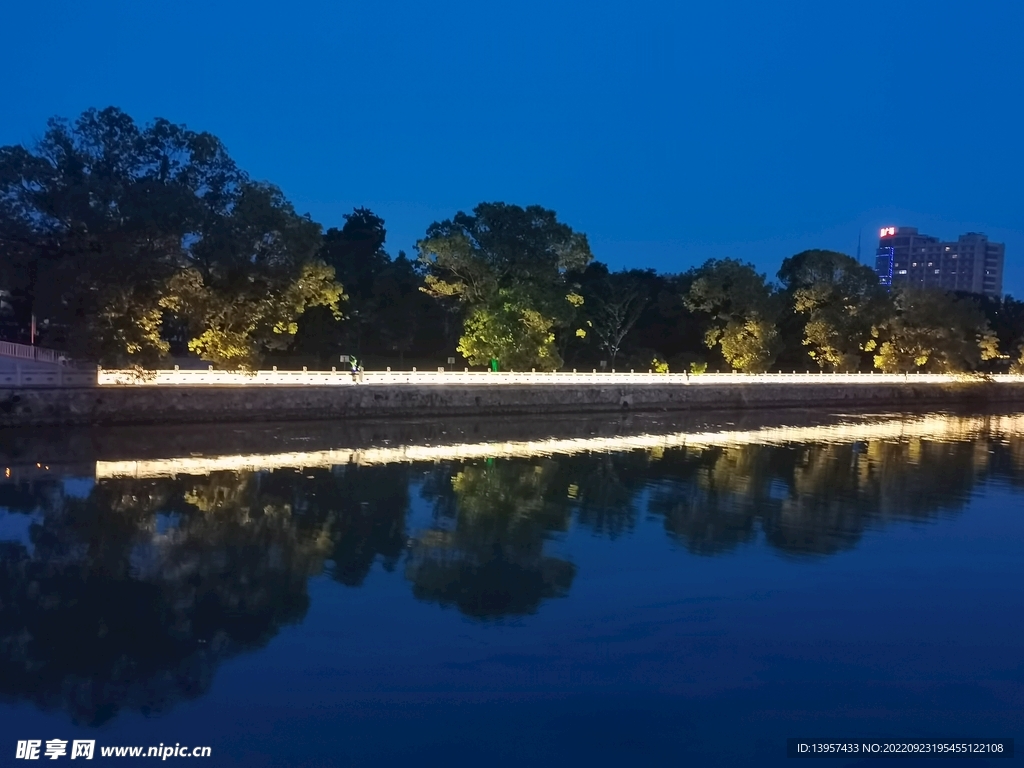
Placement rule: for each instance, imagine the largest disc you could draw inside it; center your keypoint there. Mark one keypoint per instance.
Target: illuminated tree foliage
(252, 278)
(109, 228)
(743, 309)
(933, 332)
(129, 242)
(510, 331)
(1018, 364)
(507, 268)
(840, 301)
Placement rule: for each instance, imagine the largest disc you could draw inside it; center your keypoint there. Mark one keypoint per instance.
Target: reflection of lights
(939, 428)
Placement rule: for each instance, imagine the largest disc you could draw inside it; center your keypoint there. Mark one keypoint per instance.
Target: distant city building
(971, 264)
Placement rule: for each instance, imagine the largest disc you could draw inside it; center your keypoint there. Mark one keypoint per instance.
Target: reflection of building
(971, 264)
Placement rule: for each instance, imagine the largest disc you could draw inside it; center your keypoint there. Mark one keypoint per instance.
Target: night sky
(668, 132)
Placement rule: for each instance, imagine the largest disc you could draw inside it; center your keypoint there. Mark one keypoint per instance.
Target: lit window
(936, 271)
(902, 272)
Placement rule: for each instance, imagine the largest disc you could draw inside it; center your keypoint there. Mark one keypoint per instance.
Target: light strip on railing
(563, 378)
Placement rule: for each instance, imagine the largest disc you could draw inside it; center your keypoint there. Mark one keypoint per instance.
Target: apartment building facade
(972, 263)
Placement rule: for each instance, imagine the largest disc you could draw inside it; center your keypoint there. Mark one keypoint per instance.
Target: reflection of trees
(486, 556)
(709, 498)
(1007, 460)
(131, 597)
(603, 488)
(365, 507)
(818, 498)
(26, 496)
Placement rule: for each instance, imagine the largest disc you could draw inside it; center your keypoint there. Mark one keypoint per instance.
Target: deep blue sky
(668, 132)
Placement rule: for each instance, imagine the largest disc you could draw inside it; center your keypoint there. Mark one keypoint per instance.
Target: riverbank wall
(199, 404)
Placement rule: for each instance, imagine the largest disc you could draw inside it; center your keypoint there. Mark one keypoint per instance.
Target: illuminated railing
(931, 427)
(575, 378)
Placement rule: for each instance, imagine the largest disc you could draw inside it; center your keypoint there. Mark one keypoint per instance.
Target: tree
(356, 251)
(510, 331)
(667, 329)
(1017, 366)
(500, 262)
(742, 308)
(613, 303)
(107, 227)
(840, 300)
(400, 306)
(1005, 316)
(95, 219)
(934, 332)
(250, 279)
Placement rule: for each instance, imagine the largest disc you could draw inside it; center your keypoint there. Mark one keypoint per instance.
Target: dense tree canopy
(130, 242)
(507, 266)
(385, 311)
(743, 309)
(106, 227)
(933, 332)
(613, 303)
(840, 300)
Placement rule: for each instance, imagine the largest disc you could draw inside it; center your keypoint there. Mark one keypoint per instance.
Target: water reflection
(128, 592)
(486, 554)
(816, 498)
(132, 596)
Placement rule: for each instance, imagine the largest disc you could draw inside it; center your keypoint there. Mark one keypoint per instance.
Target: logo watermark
(54, 749)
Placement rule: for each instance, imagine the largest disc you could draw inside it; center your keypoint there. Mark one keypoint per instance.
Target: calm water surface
(653, 598)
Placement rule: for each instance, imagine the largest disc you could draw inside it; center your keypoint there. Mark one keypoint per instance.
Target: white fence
(561, 378)
(26, 352)
(55, 376)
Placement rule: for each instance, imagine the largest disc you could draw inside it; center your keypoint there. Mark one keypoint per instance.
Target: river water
(591, 591)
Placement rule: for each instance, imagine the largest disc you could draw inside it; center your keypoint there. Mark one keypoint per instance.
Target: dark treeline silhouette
(129, 594)
(128, 244)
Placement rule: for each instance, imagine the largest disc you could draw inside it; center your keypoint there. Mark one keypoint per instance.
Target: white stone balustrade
(474, 378)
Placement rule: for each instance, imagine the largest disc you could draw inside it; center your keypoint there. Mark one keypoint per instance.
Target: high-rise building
(971, 264)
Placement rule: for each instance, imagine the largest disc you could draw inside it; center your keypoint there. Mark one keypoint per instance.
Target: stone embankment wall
(187, 405)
